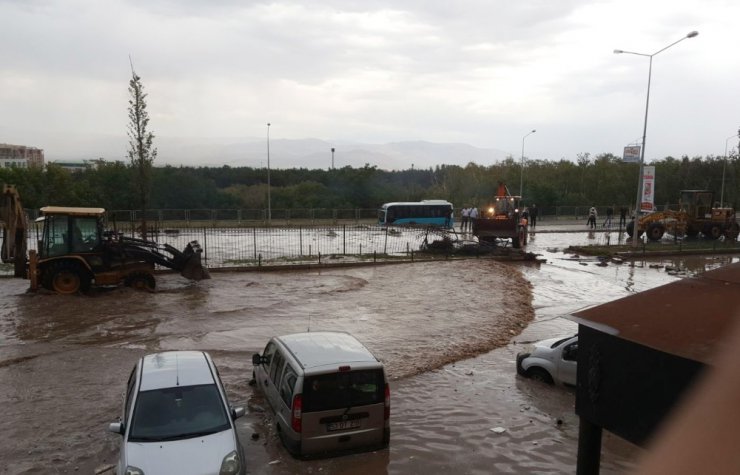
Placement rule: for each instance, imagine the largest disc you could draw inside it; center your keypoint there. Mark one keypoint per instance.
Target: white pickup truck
(550, 361)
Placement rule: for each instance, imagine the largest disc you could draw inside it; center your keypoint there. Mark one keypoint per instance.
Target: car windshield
(178, 413)
(562, 340)
(342, 390)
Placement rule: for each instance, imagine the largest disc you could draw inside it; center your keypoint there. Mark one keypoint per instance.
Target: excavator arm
(187, 261)
(14, 223)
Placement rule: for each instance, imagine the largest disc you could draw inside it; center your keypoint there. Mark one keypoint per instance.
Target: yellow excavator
(698, 213)
(76, 250)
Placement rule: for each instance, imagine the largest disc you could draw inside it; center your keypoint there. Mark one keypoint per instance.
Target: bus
(424, 213)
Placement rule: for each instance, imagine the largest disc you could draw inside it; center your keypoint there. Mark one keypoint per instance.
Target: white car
(177, 419)
(550, 361)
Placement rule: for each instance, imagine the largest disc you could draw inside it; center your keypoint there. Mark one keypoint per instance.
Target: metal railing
(259, 245)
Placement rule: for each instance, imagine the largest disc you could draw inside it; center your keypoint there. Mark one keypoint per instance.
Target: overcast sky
(483, 72)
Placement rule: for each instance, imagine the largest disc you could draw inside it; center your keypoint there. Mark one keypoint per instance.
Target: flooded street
(447, 331)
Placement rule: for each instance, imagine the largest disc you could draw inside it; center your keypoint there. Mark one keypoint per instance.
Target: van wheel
(539, 374)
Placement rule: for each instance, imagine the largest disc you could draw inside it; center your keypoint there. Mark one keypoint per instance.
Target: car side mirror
(116, 428)
(256, 359)
(237, 412)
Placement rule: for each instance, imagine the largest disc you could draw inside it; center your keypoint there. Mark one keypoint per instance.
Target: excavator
(76, 250)
(502, 219)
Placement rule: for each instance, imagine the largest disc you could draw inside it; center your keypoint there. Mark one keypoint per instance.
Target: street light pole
(332, 158)
(521, 173)
(724, 166)
(269, 207)
(638, 200)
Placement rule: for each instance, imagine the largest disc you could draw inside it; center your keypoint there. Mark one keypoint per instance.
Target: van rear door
(343, 410)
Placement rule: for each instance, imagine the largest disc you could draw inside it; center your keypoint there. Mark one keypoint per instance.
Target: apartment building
(20, 156)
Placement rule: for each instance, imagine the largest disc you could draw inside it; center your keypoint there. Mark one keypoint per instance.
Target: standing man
(592, 216)
(533, 215)
(622, 216)
(464, 218)
(609, 215)
(473, 217)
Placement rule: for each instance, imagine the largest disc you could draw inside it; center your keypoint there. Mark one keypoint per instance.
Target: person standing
(473, 217)
(533, 215)
(622, 216)
(609, 215)
(592, 215)
(464, 218)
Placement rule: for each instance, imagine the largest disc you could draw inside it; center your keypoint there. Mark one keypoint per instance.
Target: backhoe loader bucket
(191, 265)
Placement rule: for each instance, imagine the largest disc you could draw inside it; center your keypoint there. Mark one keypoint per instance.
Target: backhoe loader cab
(70, 230)
(76, 252)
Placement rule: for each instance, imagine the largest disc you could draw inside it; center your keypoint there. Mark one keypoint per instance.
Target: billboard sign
(631, 154)
(648, 189)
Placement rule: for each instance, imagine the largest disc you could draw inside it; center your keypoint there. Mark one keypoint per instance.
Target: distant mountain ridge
(284, 153)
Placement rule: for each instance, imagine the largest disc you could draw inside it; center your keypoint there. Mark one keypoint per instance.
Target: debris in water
(498, 430)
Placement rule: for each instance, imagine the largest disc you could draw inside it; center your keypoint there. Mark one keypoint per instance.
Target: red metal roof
(687, 318)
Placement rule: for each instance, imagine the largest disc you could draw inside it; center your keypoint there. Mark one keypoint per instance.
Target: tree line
(602, 180)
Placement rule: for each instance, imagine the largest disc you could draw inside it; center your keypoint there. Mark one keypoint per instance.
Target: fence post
(344, 239)
(254, 239)
(385, 245)
(319, 258)
(205, 247)
(412, 256)
(300, 239)
(375, 256)
(259, 261)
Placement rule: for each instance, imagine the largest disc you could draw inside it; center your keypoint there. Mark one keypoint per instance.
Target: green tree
(141, 152)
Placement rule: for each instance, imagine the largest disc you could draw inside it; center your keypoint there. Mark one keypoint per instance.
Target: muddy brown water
(447, 331)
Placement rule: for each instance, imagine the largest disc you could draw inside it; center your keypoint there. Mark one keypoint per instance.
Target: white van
(328, 392)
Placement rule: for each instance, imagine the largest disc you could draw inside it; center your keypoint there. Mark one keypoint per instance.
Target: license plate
(332, 426)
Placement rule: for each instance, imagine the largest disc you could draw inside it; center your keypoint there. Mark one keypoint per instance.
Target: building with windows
(20, 156)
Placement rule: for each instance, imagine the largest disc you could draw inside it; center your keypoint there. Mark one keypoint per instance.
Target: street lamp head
(268, 124)
(618, 51)
(692, 34)
(533, 131)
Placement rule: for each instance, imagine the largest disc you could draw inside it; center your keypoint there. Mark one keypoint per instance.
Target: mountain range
(284, 153)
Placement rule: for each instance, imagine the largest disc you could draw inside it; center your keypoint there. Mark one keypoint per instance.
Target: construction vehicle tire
(141, 281)
(714, 231)
(655, 231)
(630, 228)
(66, 277)
(732, 231)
